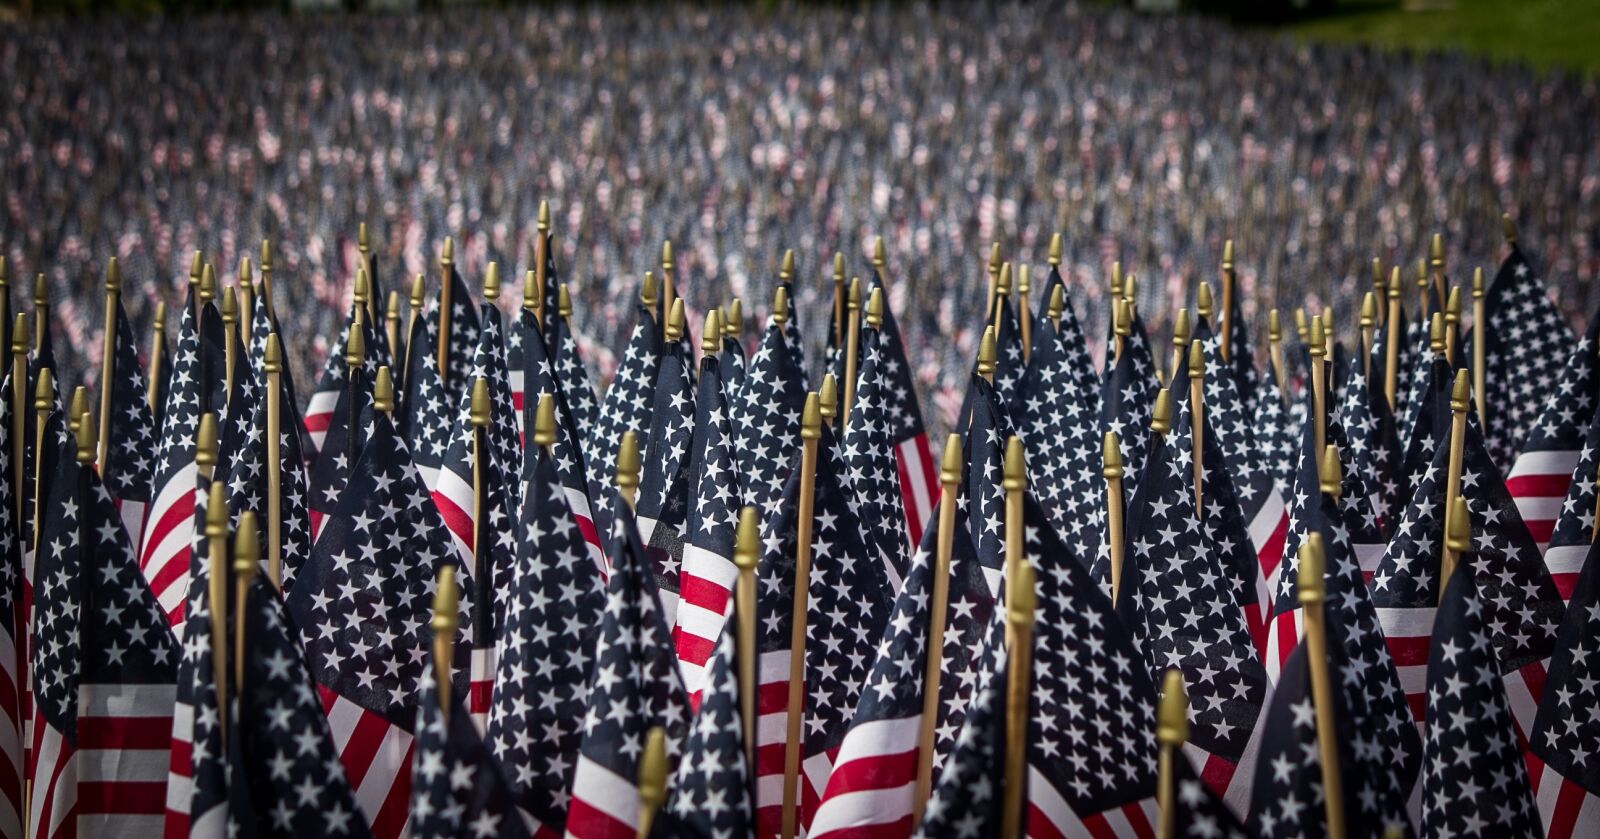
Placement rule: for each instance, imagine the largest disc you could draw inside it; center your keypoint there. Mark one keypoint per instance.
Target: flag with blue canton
(128, 470)
(627, 402)
(459, 788)
(248, 487)
(707, 576)
(1574, 528)
(345, 433)
(1127, 395)
(1416, 354)
(1196, 813)
(873, 780)
(13, 629)
(918, 473)
(104, 668)
(767, 417)
(363, 602)
(732, 362)
(1473, 778)
(871, 470)
(331, 385)
(1564, 745)
(1525, 343)
(663, 497)
(1058, 419)
(284, 776)
(983, 495)
(574, 377)
(710, 796)
(848, 598)
(1008, 366)
(1277, 434)
(464, 326)
(634, 687)
(1430, 427)
(424, 414)
(1372, 445)
(169, 534)
(553, 607)
(967, 795)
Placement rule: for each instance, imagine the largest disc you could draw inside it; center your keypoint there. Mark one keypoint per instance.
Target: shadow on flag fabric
(1524, 346)
(1127, 395)
(627, 402)
(458, 787)
(871, 472)
(710, 795)
(767, 417)
(128, 470)
(1564, 746)
(967, 795)
(664, 487)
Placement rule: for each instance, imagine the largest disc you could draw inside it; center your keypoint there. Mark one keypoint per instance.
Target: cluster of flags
(1351, 593)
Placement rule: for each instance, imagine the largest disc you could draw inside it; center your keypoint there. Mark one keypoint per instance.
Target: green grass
(1543, 33)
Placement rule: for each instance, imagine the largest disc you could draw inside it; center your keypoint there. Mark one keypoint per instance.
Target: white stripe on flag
(606, 791)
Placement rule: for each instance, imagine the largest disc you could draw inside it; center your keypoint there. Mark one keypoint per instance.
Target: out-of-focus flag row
(1347, 587)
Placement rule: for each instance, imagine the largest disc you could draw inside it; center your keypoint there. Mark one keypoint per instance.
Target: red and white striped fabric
(1565, 563)
(608, 807)
(1050, 816)
(1538, 484)
(11, 716)
(319, 413)
(1567, 809)
(113, 783)
(180, 784)
(705, 598)
(772, 731)
(919, 483)
(873, 781)
(376, 756)
(168, 540)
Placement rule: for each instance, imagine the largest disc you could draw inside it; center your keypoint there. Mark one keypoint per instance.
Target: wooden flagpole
(1369, 325)
(364, 248)
(355, 359)
(196, 266)
(217, 594)
(19, 408)
(810, 433)
(1302, 326)
(1021, 600)
(1452, 324)
(1312, 590)
(994, 279)
(1225, 316)
(1280, 373)
(446, 617)
(266, 282)
(1436, 267)
(1459, 392)
(1013, 481)
(668, 290)
(1379, 289)
(652, 778)
(852, 347)
(746, 553)
(246, 563)
(1024, 311)
(839, 313)
(541, 258)
(1002, 293)
(1391, 342)
(391, 321)
(272, 363)
(44, 399)
(1172, 731)
(1480, 359)
(446, 267)
(1121, 326)
(108, 358)
(1197, 419)
(628, 464)
(478, 414)
(230, 335)
(1318, 349)
(1180, 342)
(415, 298)
(950, 478)
(247, 297)
(1111, 468)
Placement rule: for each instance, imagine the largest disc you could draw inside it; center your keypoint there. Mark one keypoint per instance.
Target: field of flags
(1339, 582)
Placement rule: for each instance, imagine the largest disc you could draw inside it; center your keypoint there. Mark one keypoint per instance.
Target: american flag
(1196, 813)
(1525, 342)
(1573, 529)
(1430, 429)
(363, 602)
(1372, 693)
(872, 473)
(634, 687)
(1416, 357)
(131, 432)
(1058, 418)
(574, 377)
(197, 791)
(1277, 434)
(552, 616)
(914, 461)
(1379, 364)
(664, 488)
(322, 411)
(1091, 737)
(1540, 478)
(874, 774)
(343, 434)
(1473, 778)
(1373, 447)
(1127, 394)
(848, 599)
(1008, 364)
(464, 326)
(1186, 591)
(1564, 746)
(706, 579)
(13, 637)
(767, 417)
(424, 414)
(284, 775)
(967, 794)
(458, 786)
(246, 480)
(104, 668)
(710, 797)
(169, 531)
(733, 362)
(1523, 604)
(1288, 799)
(627, 403)
(983, 495)
(582, 490)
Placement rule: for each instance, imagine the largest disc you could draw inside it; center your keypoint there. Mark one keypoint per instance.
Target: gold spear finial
(1460, 392)
(1227, 255)
(362, 292)
(1111, 457)
(627, 477)
(733, 320)
(1331, 477)
(230, 306)
(1002, 286)
(208, 283)
(675, 322)
(362, 242)
(355, 347)
(1013, 472)
(564, 301)
(1130, 287)
(1024, 286)
(1478, 287)
(1311, 582)
(1180, 329)
(1436, 332)
(811, 417)
(652, 777)
(478, 410)
(86, 436)
(994, 258)
(196, 262)
(647, 291)
(747, 546)
(446, 609)
(1318, 343)
(1197, 360)
(76, 406)
(1172, 720)
(1436, 253)
(838, 268)
(247, 546)
(1055, 250)
(875, 308)
(419, 287)
(20, 338)
(205, 444)
(1161, 414)
(1369, 310)
(113, 275)
(544, 216)
(1274, 327)
(1508, 228)
(711, 332)
(1058, 302)
(272, 354)
(1124, 321)
(950, 464)
(44, 392)
(1458, 536)
(266, 255)
(1204, 302)
(544, 431)
(786, 267)
(878, 256)
(986, 353)
(780, 305)
(448, 255)
(828, 398)
(530, 290)
(491, 282)
(246, 278)
(1378, 276)
(666, 255)
(1301, 324)
(1452, 306)
(383, 390)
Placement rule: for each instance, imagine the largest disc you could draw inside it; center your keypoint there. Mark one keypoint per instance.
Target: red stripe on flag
(586, 822)
(875, 772)
(123, 798)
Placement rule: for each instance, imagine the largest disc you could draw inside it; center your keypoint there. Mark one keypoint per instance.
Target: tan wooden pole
(272, 363)
(1197, 420)
(217, 594)
(108, 358)
(852, 347)
(1172, 731)
(1312, 591)
(541, 258)
(1112, 470)
(446, 266)
(1225, 316)
(1280, 372)
(1458, 443)
(1391, 343)
(1021, 601)
(1369, 325)
(746, 553)
(44, 399)
(652, 778)
(19, 408)
(1024, 311)
(1452, 324)
(1480, 361)
(446, 617)
(810, 432)
(944, 550)
(266, 282)
(1319, 384)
